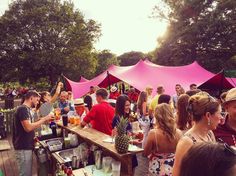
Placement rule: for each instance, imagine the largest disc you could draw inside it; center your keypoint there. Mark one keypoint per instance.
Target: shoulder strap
(211, 136)
(191, 137)
(156, 140)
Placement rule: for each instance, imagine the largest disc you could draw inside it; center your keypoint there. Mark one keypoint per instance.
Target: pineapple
(122, 139)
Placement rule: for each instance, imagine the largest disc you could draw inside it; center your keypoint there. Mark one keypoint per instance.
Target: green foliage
(105, 59)
(130, 58)
(198, 30)
(45, 38)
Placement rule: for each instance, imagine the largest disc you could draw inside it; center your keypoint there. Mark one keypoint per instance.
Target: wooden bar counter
(95, 137)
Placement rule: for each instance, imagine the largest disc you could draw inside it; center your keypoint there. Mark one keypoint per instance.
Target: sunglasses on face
(224, 114)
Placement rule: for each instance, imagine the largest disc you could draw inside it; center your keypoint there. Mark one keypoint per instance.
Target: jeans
(24, 160)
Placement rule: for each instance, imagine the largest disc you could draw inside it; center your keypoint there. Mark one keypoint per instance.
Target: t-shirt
(100, 117)
(115, 122)
(114, 95)
(133, 96)
(154, 103)
(175, 100)
(65, 104)
(93, 96)
(22, 140)
(226, 133)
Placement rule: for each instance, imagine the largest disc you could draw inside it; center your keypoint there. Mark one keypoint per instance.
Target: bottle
(62, 171)
(69, 172)
(81, 164)
(91, 160)
(74, 162)
(37, 144)
(65, 170)
(53, 126)
(58, 171)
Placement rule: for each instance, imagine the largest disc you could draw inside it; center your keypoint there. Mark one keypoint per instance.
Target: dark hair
(102, 92)
(191, 85)
(208, 159)
(184, 119)
(120, 105)
(89, 101)
(178, 85)
(141, 99)
(41, 101)
(193, 92)
(160, 89)
(43, 94)
(201, 103)
(91, 87)
(164, 98)
(29, 94)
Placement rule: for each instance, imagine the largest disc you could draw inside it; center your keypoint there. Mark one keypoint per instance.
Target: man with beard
(23, 132)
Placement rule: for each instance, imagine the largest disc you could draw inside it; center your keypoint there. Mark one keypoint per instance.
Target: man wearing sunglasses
(227, 131)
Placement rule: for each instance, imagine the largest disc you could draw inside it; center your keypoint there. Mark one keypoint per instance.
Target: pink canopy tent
(82, 79)
(145, 73)
(217, 82)
(232, 81)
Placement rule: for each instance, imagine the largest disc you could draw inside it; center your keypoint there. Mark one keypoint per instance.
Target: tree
(198, 30)
(105, 59)
(130, 58)
(45, 38)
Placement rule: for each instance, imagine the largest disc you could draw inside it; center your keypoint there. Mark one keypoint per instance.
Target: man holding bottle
(23, 132)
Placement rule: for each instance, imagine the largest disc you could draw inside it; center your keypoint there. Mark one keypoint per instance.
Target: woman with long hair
(142, 104)
(184, 119)
(162, 141)
(206, 114)
(46, 102)
(123, 110)
(143, 115)
(149, 90)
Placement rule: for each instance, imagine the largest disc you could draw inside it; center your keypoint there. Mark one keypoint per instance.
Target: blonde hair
(165, 120)
(201, 103)
(148, 88)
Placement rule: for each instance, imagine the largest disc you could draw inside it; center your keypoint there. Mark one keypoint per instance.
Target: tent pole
(109, 82)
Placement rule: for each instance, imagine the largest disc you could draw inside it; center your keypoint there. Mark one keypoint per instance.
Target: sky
(125, 24)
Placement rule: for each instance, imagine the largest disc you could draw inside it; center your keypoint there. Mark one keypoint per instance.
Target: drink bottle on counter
(53, 126)
(60, 170)
(69, 172)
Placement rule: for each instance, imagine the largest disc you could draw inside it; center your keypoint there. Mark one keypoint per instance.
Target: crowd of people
(13, 91)
(180, 131)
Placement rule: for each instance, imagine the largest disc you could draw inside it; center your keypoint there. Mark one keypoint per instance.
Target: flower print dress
(161, 164)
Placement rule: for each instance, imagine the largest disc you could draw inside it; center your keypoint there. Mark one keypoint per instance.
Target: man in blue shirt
(64, 104)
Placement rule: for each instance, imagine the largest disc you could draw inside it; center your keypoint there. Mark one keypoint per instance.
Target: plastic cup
(116, 168)
(72, 120)
(106, 164)
(77, 121)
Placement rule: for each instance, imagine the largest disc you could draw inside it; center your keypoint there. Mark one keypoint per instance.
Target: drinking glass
(106, 164)
(116, 168)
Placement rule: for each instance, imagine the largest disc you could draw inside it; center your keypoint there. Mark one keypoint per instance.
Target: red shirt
(133, 96)
(114, 95)
(226, 133)
(100, 117)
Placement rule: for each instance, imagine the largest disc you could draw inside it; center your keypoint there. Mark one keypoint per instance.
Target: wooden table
(95, 137)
